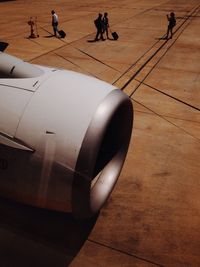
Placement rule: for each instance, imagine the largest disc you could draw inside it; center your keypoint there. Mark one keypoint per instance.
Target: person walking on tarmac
(172, 22)
(54, 22)
(99, 25)
(105, 24)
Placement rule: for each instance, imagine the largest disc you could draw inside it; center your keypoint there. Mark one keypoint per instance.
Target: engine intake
(64, 137)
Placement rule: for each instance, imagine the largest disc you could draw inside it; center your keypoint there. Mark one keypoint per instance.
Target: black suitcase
(115, 35)
(62, 33)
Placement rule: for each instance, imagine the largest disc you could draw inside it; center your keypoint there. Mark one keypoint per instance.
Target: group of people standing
(102, 26)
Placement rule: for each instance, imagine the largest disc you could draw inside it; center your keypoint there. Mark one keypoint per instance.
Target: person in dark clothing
(99, 25)
(172, 22)
(105, 24)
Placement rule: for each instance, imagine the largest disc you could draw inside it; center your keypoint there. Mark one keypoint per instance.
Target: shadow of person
(34, 237)
(3, 46)
(161, 38)
(49, 36)
(111, 39)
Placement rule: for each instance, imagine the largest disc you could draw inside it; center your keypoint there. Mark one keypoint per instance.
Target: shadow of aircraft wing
(35, 237)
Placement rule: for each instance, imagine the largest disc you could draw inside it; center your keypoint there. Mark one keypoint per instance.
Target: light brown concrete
(152, 218)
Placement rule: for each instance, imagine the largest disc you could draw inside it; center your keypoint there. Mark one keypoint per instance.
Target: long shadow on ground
(35, 237)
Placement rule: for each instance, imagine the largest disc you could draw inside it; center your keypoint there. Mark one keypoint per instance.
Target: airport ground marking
(124, 252)
(164, 117)
(194, 9)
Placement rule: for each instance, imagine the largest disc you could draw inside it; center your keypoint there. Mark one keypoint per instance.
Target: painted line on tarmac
(159, 59)
(175, 98)
(98, 60)
(124, 252)
(124, 73)
(75, 64)
(165, 119)
(153, 55)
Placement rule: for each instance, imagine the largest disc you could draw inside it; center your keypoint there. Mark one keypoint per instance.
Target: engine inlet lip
(87, 200)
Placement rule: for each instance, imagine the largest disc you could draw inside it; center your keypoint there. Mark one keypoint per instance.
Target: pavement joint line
(132, 65)
(165, 118)
(142, 111)
(96, 59)
(35, 42)
(67, 59)
(16, 35)
(53, 51)
(69, 44)
(140, 58)
(142, 67)
(75, 64)
(50, 51)
(82, 38)
(124, 252)
(159, 59)
(170, 96)
(149, 49)
(92, 74)
(152, 56)
(180, 119)
(165, 51)
(60, 39)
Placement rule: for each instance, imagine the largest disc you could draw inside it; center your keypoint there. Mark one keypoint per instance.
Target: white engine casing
(63, 135)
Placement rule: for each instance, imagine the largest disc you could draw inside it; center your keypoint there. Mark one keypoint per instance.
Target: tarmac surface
(153, 215)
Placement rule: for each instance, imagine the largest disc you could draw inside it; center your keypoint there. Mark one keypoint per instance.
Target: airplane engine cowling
(64, 137)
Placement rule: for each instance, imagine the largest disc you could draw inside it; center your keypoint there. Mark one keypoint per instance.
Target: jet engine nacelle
(64, 137)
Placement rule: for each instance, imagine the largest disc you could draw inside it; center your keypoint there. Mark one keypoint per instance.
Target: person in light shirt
(54, 22)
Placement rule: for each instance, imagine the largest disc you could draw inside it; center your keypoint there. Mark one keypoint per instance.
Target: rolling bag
(115, 35)
(62, 33)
